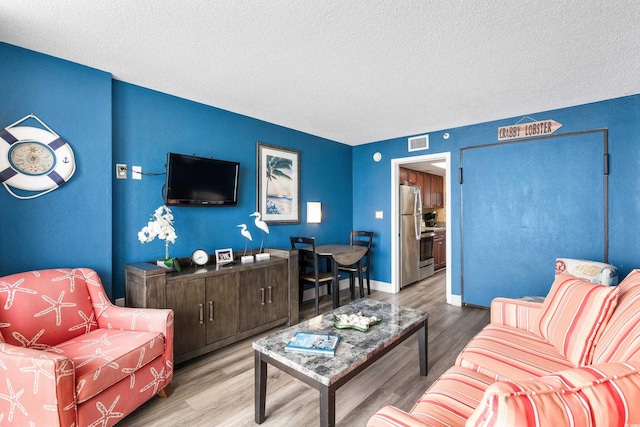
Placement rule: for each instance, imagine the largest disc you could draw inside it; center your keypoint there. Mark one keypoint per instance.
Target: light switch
(136, 172)
(378, 214)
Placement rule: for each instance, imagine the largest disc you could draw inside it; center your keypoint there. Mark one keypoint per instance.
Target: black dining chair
(308, 268)
(360, 238)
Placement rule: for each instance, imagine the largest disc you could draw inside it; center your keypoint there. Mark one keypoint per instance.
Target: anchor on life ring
(34, 159)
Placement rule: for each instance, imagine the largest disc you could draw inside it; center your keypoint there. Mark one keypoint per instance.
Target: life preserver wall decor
(34, 159)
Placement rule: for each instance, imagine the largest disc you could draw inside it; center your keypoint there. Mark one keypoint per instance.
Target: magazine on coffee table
(321, 344)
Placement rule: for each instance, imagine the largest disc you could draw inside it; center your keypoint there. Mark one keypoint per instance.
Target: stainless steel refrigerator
(410, 218)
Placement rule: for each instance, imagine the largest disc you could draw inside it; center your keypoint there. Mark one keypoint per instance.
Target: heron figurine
(262, 226)
(246, 234)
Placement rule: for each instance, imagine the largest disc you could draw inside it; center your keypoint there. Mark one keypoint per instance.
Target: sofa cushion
(452, 398)
(620, 339)
(45, 307)
(573, 315)
(601, 395)
(505, 353)
(449, 401)
(105, 356)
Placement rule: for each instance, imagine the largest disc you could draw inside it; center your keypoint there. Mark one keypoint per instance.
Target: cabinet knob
(210, 311)
(262, 302)
(201, 313)
(270, 294)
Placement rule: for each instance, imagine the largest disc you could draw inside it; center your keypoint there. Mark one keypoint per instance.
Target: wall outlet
(378, 214)
(136, 172)
(121, 171)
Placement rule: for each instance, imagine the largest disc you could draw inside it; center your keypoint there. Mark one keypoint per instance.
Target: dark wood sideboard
(217, 306)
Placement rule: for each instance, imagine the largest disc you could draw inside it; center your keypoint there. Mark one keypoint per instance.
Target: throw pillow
(573, 315)
(592, 396)
(620, 339)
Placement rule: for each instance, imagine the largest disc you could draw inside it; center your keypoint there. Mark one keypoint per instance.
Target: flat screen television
(201, 181)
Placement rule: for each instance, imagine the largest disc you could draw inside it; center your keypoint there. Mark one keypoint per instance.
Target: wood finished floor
(218, 389)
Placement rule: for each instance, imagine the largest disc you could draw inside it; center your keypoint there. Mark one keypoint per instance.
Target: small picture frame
(224, 256)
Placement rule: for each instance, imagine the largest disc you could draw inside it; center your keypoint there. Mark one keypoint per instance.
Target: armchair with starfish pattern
(69, 357)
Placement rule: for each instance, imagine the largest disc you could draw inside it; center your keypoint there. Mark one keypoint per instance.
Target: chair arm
(36, 387)
(605, 394)
(390, 416)
(140, 319)
(136, 319)
(516, 313)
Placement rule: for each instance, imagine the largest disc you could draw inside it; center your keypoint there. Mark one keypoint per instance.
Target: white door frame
(395, 229)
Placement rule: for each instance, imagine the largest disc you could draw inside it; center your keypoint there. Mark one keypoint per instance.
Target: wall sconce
(314, 212)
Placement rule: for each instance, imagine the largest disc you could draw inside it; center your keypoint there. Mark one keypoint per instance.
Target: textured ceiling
(351, 71)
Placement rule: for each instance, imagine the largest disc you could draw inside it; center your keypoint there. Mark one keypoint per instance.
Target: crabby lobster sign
(528, 130)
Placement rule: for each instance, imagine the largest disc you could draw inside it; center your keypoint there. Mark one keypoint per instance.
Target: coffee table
(356, 351)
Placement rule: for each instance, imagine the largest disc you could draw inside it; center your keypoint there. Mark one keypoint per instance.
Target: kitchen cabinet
(437, 199)
(426, 190)
(216, 306)
(431, 187)
(420, 182)
(409, 176)
(440, 250)
(404, 176)
(412, 177)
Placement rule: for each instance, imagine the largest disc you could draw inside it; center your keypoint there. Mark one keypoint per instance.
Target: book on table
(309, 343)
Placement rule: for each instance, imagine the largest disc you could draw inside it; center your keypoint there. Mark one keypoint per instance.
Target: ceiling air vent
(417, 143)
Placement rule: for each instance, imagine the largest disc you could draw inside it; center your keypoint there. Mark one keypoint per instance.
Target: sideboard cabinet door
(221, 307)
(252, 295)
(186, 298)
(277, 292)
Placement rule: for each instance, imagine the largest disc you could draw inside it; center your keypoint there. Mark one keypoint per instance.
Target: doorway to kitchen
(423, 163)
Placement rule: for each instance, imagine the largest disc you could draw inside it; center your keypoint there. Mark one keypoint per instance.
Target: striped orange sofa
(573, 360)
(70, 358)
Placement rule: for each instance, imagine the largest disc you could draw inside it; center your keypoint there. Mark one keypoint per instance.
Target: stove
(426, 254)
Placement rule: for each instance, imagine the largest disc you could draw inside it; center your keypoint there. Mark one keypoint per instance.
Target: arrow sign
(528, 130)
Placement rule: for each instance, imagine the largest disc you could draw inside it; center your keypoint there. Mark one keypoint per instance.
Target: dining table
(341, 255)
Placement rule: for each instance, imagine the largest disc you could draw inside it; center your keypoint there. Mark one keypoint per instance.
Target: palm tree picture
(278, 190)
(278, 183)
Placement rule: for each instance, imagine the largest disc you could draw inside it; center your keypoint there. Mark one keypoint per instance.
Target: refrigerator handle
(417, 210)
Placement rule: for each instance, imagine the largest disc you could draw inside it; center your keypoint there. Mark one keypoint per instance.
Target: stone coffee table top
(355, 347)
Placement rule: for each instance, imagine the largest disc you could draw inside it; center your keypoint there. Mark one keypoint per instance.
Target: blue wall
(93, 220)
(71, 226)
(620, 116)
(148, 124)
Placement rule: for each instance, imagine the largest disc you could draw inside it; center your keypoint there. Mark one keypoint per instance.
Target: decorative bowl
(358, 321)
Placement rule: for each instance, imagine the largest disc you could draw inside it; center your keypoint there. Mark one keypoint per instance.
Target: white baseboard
(382, 286)
(344, 284)
(454, 300)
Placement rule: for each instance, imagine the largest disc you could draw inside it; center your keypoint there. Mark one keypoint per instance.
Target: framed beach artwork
(278, 184)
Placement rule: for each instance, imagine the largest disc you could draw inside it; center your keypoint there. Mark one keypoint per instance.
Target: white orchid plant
(161, 226)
